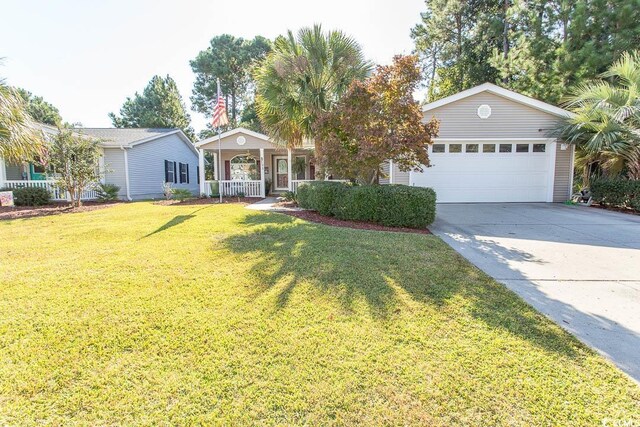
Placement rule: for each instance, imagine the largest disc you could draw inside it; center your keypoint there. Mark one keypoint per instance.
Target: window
(488, 148)
(437, 148)
(471, 148)
(522, 148)
(299, 167)
(455, 148)
(170, 172)
(539, 148)
(243, 168)
(184, 173)
(505, 148)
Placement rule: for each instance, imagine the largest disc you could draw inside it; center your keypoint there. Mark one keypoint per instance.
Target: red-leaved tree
(376, 120)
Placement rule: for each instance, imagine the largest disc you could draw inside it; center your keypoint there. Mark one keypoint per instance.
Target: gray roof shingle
(116, 137)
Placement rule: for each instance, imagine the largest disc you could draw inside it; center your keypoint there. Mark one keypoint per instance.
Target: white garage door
(499, 171)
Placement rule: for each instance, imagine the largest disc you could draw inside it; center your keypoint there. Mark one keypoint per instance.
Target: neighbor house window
(522, 148)
(170, 172)
(471, 148)
(455, 148)
(505, 148)
(438, 148)
(539, 148)
(184, 173)
(488, 148)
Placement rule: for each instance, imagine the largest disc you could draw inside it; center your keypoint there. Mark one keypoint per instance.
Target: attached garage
(494, 146)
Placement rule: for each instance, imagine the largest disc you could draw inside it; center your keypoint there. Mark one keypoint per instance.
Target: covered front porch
(248, 163)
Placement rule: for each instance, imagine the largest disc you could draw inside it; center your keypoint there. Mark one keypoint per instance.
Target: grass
(142, 314)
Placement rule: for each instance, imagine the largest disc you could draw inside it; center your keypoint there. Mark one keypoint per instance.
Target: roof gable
(230, 139)
(502, 92)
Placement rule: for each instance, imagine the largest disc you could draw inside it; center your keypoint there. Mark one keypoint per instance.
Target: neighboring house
(139, 161)
(493, 146)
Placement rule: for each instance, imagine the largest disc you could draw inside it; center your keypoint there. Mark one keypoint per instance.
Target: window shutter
(227, 170)
(166, 171)
(198, 174)
(187, 167)
(175, 175)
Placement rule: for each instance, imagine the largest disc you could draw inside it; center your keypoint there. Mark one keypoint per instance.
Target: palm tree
(606, 123)
(304, 76)
(20, 139)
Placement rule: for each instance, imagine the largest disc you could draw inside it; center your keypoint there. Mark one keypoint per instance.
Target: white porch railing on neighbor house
(50, 185)
(233, 188)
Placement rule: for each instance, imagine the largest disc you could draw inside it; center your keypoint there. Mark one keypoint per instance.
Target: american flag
(220, 111)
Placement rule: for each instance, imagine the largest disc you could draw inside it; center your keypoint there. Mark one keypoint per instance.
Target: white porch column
(289, 168)
(262, 177)
(216, 166)
(203, 188)
(3, 172)
(126, 172)
(390, 171)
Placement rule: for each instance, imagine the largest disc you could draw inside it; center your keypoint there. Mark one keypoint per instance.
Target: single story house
(493, 146)
(139, 161)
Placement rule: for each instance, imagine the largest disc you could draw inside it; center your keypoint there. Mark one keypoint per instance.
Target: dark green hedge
(30, 196)
(616, 192)
(390, 205)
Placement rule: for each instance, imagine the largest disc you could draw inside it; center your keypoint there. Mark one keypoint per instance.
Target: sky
(86, 57)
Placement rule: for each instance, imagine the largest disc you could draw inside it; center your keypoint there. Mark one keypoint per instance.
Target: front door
(281, 173)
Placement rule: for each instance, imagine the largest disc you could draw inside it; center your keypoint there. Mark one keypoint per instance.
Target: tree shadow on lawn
(176, 220)
(381, 268)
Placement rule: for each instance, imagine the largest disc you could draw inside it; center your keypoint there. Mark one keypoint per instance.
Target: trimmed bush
(390, 205)
(107, 192)
(30, 196)
(616, 192)
(320, 196)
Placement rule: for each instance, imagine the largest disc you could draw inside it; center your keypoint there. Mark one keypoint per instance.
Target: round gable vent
(241, 140)
(484, 111)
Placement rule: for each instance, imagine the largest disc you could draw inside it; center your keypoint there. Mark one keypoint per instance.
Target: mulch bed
(208, 201)
(7, 212)
(316, 217)
(616, 209)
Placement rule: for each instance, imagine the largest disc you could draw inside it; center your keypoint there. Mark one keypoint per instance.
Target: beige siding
(562, 178)
(230, 143)
(399, 177)
(508, 119)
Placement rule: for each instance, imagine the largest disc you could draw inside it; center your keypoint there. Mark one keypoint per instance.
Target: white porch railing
(233, 188)
(296, 183)
(50, 185)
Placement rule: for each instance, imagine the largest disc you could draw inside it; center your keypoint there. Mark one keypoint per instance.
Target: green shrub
(181, 194)
(107, 192)
(320, 196)
(616, 192)
(390, 205)
(30, 196)
(289, 196)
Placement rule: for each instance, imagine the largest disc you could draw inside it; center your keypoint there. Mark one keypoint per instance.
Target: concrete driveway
(579, 266)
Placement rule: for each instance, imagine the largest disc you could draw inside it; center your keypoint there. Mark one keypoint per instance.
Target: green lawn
(147, 314)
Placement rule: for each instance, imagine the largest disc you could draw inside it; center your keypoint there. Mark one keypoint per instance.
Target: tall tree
(376, 120)
(20, 139)
(231, 59)
(538, 47)
(606, 124)
(304, 76)
(159, 106)
(39, 109)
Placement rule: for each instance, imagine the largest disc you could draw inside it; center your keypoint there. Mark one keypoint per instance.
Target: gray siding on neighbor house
(562, 179)
(509, 119)
(114, 165)
(14, 172)
(146, 166)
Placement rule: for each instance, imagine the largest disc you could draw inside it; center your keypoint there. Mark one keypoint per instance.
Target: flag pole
(219, 148)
